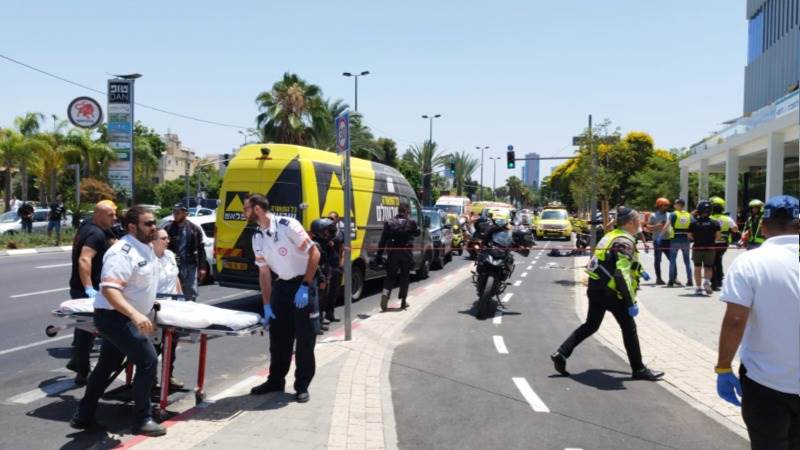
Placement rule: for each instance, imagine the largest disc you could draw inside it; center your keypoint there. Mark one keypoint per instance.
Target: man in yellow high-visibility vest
(681, 221)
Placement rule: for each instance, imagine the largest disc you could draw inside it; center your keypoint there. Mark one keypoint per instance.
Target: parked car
(11, 223)
(442, 236)
(193, 212)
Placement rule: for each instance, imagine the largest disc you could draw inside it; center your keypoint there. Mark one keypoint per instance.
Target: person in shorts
(704, 231)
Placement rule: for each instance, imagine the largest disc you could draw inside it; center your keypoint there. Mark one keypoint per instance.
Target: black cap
(180, 205)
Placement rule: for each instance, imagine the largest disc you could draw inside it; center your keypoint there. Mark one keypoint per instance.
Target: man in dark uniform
(323, 232)
(336, 257)
(25, 213)
(614, 272)
(397, 239)
(90, 245)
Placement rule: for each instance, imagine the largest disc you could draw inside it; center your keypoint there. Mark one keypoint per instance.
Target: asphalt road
(37, 396)
(453, 388)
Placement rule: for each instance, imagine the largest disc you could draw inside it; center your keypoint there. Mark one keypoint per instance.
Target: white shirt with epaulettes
(283, 246)
(130, 266)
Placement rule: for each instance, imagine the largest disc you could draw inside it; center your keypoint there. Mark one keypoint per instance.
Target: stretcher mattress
(180, 314)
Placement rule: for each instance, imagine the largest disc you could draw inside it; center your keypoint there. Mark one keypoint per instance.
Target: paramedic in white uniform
(168, 283)
(127, 294)
(282, 246)
(762, 290)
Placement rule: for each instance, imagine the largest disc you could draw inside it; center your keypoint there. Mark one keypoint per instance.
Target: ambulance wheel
(357, 282)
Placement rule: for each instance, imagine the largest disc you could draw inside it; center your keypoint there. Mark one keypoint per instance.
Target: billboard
(120, 133)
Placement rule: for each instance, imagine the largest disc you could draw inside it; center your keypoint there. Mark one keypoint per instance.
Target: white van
(454, 205)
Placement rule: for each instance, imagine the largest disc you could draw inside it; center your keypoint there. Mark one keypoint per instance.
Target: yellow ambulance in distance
(554, 223)
(306, 184)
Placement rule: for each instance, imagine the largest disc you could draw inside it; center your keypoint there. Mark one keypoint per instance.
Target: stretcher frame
(84, 321)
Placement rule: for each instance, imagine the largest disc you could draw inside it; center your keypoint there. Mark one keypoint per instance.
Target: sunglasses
(149, 223)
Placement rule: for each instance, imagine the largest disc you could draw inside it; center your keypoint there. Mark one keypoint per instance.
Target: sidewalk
(33, 251)
(679, 333)
(351, 400)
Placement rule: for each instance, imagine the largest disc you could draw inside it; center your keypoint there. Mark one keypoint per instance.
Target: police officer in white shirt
(762, 290)
(127, 294)
(281, 245)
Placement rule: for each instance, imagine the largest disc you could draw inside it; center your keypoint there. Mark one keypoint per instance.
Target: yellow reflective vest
(683, 220)
(601, 268)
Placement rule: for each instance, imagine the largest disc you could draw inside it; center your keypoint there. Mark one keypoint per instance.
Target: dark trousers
(121, 339)
(82, 343)
(331, 296)
(290, 326)
(665, 247)
(27, 226)
(682, 245)
(187, 274)
(599, 303)
(716, 278)
(398, 269)
(772, 417)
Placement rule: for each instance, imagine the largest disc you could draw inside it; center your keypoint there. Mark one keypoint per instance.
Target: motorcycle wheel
(485, 300)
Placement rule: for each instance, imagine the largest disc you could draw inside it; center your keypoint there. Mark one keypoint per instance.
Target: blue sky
(523, 72)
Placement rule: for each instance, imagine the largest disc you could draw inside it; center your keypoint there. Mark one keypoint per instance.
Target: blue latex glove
(268, 314)
(728, 387)
(301, 297)
(633, 311)
(90, 292)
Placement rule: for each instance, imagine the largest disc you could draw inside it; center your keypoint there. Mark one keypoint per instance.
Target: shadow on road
(602, 379)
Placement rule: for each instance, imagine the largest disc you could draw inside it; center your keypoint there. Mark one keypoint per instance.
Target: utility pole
(186, 182)
(494, 176)
(480, 188)
(593, 208)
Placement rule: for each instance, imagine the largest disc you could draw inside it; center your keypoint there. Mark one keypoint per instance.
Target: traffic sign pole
(342, 127)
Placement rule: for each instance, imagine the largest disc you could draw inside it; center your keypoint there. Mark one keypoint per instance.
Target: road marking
(573, 448)
(500, 345)
(23, 251)
(236, 388)
(517, 283)
(43, 391)
(34, 344)
(524, 274)
(533, 262)
(28, 294)
(525, 389)
(446, 277)
(506, 297)
(529, 267)
(53, 266)
(498, 318)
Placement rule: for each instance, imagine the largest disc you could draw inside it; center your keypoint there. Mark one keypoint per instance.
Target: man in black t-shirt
(90, 245)
(54, 218)
(25, 213)
(705, 232)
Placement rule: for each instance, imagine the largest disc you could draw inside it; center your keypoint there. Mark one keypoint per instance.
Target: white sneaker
(700, 292)
(707, 287)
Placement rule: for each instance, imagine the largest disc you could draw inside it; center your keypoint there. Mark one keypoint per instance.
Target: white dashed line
(529, 267)
(506, 297)
(42, 391)
(498, 318)
(51, 266)
(525, 389)
(517, 283)
(500, 345)
(524, 274)
(34, 344)
(28, 294)
(533, 262)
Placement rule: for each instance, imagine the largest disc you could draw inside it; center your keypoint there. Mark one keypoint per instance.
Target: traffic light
(226, 158)
(452, 168)
(510, 163)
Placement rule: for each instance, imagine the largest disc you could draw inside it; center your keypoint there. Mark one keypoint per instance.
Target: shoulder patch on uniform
(126, 248)
(284, 221)
(142, 263)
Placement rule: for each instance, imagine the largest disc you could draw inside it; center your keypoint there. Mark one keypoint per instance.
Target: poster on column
(120, 133)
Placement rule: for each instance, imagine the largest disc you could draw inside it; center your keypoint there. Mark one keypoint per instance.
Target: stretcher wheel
(51, 330)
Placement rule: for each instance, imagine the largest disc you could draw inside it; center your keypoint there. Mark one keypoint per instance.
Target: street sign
(342, 125)
(120, 132)
(510, 147)
(85, 112)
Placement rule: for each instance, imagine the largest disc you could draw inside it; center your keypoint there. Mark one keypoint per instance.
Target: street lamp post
(426, 178)
(480, 188)
(244, 135)
(494, 175)
(356, 75)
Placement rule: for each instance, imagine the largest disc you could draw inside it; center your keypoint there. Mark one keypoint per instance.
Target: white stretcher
(83, 319)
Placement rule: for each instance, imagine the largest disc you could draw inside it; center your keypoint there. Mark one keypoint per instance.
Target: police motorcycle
(494, 261)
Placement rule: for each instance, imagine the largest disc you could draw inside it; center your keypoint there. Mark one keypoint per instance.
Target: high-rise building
(530, 173)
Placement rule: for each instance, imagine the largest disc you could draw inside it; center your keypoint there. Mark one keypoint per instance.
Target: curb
(36, 251)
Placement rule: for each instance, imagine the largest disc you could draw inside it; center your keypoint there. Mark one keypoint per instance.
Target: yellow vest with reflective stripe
(683, 220)
(597, 263)
(724, 226)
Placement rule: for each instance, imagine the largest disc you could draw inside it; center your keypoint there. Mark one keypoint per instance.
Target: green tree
(426, 158)
(465, 166)
(52, 159)
(10, 150)
(324, 134)
(386, 151)
(92, 154)
(658, 178)
(28, 125)
(291, 111)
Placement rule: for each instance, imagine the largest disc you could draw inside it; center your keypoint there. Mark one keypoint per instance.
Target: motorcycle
(495, 263)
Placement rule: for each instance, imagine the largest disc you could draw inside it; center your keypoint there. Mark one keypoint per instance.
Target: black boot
(560, 363)
(648, 374)
(384, 302)
(403, 304)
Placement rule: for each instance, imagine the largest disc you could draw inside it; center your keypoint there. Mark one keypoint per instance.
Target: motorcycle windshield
(502, 238)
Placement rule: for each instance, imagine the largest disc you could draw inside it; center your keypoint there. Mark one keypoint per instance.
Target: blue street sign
(342, 125)
(510, 147)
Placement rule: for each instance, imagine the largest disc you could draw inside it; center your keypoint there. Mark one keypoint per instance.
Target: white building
(761, 147)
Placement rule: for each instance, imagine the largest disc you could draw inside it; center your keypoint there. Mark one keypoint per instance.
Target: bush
(34, 240)
(93, 190)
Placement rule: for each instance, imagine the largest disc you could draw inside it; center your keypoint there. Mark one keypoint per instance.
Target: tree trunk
(7, 194)
(24, 174)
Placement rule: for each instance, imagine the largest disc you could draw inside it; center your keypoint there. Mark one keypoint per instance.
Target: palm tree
(289, 111)
(515, 188)
(28, 126)
(324, 134)
(465, 165)
(10, 149)
(386, 150)
(92, 154)
(427, 159)
(52, 160)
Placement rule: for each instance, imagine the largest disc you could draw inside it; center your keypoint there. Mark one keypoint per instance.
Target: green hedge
(34, 240)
